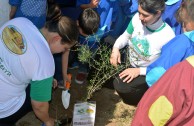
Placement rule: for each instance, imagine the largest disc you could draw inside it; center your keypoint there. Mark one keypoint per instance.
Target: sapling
(100, 68)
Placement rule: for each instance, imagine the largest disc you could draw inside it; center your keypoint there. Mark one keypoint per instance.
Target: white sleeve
(143, 70)
(122, 41)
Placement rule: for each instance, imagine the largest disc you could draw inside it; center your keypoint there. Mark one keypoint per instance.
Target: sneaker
(60, 84)
(81, 77)
(75, 65)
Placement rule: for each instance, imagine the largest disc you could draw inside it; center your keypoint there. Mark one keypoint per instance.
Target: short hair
(89, 21)
(152, 6)
(64, 26)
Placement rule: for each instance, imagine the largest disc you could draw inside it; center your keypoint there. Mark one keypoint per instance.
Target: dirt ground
(110, 110)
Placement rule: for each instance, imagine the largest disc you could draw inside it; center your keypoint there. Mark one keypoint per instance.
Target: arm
(121, 42)
(41, 110)
(65, 57)
(12, 12)
(92, 4)
(40, 93)
(14, 5)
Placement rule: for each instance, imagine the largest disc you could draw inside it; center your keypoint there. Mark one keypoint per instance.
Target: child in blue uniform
(169, 15)
(34, 10)
(88, 23)
(107, 9)
(178, 49)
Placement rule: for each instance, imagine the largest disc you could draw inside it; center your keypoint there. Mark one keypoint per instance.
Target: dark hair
(89, 21)
(64, 26)
(152, 6)
(188, 14)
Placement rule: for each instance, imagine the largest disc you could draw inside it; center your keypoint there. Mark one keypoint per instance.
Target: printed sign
(84, 114)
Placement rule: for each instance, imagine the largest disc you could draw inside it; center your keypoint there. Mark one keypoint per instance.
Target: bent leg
(132, 92)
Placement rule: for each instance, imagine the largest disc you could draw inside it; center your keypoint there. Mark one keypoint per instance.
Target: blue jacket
(175, 51)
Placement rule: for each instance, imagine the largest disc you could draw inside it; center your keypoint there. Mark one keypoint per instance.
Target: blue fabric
(190, 35)
(15, 2)
(91, 41)
(123, 2)
(108, 20)
(175, 51)
(79, 2)
(128, 9)
(108, 11)
(69, 3)
(154, 75)
(122, 11)
(117, 27)
(169, 17)
(171, 2)
(72, 12)
(34, 10)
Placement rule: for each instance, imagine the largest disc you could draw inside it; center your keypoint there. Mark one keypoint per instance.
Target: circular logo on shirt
(14, 40)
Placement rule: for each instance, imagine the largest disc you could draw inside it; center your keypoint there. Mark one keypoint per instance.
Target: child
(169, 15)
(107, 9)
(34, 10)
(88, 23)
(178, 49)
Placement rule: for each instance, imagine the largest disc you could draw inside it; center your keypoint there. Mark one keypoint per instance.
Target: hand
(66, 79)
(55, 83)
(129, 74)
(50, 122)
(94, 3)
(115, 57)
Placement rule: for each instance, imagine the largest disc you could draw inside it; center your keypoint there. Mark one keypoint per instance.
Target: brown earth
(110, 110)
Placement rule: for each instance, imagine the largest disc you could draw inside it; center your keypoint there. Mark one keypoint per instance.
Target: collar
(157, 25)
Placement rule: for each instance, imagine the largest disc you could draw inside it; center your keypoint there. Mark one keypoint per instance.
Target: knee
(121, 86)
(128, 92)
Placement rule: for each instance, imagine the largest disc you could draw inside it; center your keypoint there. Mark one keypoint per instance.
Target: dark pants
(58, 66)
(132, 92)
(11, 120)
(58, 63)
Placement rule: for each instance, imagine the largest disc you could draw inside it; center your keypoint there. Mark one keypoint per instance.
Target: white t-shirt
(145, 42)
(4, 11)
(25, 56)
